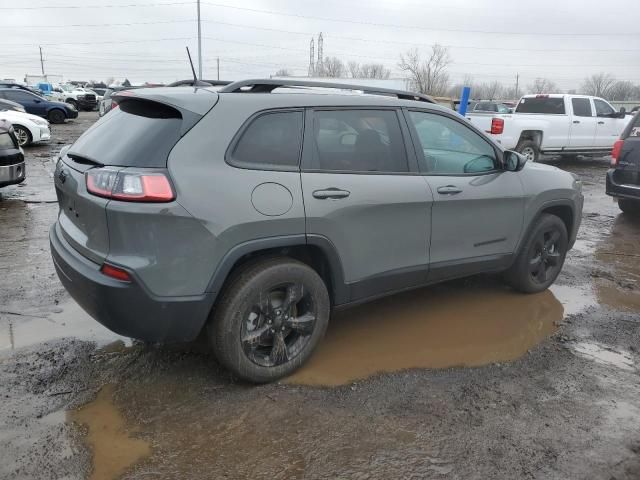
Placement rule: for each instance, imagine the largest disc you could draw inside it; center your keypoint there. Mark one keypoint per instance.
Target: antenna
(196, 82)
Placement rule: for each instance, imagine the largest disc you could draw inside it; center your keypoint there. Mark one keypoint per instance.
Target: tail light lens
(615, 153)
(113, 104)
(497, 126)
(129, 186)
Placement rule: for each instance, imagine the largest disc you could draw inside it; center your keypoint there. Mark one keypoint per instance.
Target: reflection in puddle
(113, 449)
(430, 328)
(604, 355)
(621, 253)
(68, 320)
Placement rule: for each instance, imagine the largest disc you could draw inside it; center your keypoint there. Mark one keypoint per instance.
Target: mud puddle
(618, 281)
(114, 449)
(19, 329)
(430, 328)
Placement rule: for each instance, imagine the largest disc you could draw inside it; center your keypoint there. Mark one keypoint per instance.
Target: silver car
(253, 211)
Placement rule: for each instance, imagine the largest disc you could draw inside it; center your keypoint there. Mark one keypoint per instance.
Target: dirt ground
(466, 380)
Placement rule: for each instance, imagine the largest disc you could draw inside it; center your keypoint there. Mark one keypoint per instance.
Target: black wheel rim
(279, 325)
(546, 256)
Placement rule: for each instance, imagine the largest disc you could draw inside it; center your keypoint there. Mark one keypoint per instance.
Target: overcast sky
(144, 40)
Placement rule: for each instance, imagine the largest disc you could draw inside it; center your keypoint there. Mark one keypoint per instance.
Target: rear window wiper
(84, 160)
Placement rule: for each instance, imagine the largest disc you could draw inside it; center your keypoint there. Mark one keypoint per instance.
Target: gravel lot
(465, 380)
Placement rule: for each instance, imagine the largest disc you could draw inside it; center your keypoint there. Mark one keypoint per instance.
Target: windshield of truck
(544, 105)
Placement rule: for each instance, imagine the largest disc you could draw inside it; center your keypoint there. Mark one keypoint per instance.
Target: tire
(249, 324)
(56, 116)
(71, 101)
(23, 134)
(529, 149)
(546, 245)
(629, 206)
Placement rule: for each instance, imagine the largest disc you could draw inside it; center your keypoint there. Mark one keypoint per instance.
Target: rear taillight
(115, 272)
(497, 126)
(114, 105)
(615, 153)
(129, 186)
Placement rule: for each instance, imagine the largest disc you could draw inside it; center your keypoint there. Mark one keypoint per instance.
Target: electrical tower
(319, 64)
(312, 67)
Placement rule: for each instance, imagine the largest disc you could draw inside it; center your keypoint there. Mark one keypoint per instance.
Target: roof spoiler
(268, 85)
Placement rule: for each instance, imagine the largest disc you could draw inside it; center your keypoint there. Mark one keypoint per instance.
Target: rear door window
(6, 142)
(547, 105)
(581, 107)
(358, 141)
(272, 141)
(20, 96)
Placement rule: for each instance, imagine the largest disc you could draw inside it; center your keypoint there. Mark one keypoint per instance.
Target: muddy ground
(466, 380)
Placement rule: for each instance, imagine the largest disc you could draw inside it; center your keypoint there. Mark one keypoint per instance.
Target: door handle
(449, 190)
(600, 122)
(576, 121)
(330, 193)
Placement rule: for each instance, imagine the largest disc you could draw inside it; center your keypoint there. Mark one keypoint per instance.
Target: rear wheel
(270, 318)
(541, 258)
(529, 149)
(56, 116)
(23, 135)
(629, 206)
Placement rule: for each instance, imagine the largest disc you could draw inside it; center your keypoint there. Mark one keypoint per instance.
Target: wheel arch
(531, 134)
(314, 250)
(29, 131)
(562, 209)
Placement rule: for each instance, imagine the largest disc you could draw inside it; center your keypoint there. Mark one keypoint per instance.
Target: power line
(51, 7)
(416, 27)
(84, 25)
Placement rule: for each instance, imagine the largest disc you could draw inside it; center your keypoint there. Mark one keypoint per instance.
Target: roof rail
(268, 85)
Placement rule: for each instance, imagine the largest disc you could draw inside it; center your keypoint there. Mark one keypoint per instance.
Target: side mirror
(513, 161)
(623, 112)
(37, 101)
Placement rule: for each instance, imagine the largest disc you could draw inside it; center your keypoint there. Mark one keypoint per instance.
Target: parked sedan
(56, 112)
(12, 169)
(28, 128)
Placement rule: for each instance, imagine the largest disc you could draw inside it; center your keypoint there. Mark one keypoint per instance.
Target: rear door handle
(576, 121)
(330, 193)
(449, 190)
(600, 122)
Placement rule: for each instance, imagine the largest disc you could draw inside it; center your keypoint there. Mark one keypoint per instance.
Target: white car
(29, 128)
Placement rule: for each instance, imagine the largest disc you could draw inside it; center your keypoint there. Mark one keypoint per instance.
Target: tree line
(428, 73)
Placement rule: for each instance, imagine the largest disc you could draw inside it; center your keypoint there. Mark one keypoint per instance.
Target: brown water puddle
(114, 450)
(619, 287)
(430, 328)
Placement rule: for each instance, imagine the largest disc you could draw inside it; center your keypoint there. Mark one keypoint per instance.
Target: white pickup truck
(556, 124)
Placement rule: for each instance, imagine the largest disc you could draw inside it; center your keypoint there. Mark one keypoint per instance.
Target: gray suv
(250, 212)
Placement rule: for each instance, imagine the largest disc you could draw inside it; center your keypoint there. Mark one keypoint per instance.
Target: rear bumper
(621, 190)
(127, 308)
(12, 174)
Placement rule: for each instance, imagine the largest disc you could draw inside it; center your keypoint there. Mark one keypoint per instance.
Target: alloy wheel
(22, 135)
(545, 260)
(279, 325)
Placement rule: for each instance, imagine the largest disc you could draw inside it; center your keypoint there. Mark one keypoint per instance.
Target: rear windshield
(633, 130)
(547, 105)
(137, 134)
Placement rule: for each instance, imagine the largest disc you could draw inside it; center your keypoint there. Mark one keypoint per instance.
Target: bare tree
(598, 85)
(429, 75)
(283, 72)
(622, 90)
(354, 69)
(374, 70)
(542, 85)
(331, 67)
(109, 81)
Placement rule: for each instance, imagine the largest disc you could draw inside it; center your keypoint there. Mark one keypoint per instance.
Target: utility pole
(517, 83)
(199, 45)
(218, 62)
(41, 62)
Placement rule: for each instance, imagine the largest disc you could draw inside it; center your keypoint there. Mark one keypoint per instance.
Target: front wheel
(22, 134)
(541, 258)
(56, 116)
(269, 319)
(529, 149)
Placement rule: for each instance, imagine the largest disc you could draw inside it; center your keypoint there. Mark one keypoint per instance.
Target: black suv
(623, 178)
